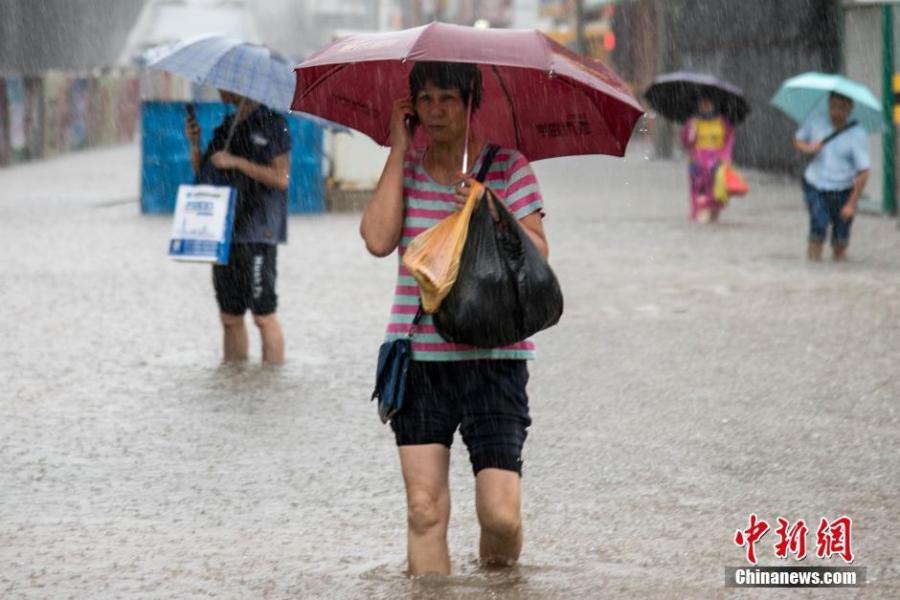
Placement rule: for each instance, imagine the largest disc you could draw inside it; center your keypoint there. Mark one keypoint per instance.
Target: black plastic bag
(505, 291)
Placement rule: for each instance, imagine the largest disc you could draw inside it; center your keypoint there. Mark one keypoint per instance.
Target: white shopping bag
(201, 231)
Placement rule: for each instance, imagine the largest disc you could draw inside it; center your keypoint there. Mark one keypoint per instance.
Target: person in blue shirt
(837, 175)
(250, 152)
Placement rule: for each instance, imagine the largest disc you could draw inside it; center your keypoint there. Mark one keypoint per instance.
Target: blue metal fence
(166, 161)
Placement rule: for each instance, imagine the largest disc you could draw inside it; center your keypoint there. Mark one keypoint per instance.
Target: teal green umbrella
(805, 94)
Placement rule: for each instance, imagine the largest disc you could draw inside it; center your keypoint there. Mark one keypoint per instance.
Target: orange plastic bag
(433, 256)
(734, 182)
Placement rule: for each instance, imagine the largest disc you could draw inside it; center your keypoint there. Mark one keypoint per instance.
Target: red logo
(832, 538)
(748, 537)
(791, 541)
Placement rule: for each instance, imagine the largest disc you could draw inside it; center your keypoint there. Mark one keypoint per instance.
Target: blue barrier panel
(166, 160)
(306, 193)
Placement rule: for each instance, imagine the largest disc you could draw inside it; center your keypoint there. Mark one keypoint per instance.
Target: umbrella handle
(465, 160)
(233, 124)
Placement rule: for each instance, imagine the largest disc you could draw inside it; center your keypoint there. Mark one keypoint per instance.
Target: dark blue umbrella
(675, 96)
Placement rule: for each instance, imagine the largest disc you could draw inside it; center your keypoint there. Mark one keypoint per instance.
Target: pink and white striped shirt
(426, 202)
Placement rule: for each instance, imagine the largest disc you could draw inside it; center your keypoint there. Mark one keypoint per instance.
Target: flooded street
(698, 375)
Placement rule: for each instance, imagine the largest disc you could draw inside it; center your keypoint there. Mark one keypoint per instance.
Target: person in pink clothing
(479, 391)
(709, 138)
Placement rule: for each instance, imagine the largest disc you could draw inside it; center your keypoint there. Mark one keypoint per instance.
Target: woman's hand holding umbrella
(690, 133)
(462, 193)
(464, 184)
(811, 148)
(532, 224)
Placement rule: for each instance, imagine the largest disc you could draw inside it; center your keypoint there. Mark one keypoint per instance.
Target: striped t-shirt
(426, 202)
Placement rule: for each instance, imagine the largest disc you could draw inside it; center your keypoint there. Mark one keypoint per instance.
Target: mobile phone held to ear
(412, 121)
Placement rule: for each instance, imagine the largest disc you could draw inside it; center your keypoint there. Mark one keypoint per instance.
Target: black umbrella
(675, 96)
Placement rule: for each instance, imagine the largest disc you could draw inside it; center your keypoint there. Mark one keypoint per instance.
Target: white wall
(358, 160)
(862, 56)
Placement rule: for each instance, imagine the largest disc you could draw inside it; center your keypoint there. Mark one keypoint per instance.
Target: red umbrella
(539, 97)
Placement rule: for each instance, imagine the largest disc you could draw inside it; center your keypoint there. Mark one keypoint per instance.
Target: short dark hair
(840, 97)
(465, 77)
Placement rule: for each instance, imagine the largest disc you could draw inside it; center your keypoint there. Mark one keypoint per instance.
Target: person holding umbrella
(454, 101)
(709, 139)
(836, 177)
(836, 114)
(710, 108)
(249, 151)
(481, 391)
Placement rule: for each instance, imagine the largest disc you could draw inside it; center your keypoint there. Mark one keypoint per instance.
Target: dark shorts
(485, 399)
(248, 280)
(825, 211)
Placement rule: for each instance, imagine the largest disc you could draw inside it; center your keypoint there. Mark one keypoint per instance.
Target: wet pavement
(699, 374)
